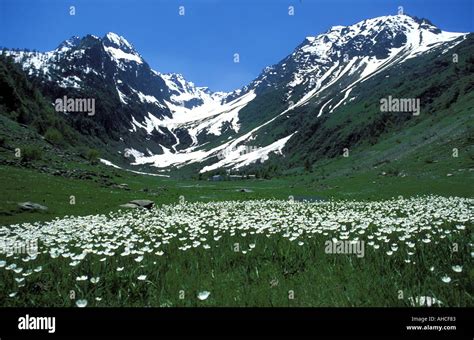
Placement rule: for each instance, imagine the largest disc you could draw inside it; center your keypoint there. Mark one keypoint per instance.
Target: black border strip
(133, 323)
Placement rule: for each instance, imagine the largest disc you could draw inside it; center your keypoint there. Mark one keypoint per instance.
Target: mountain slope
(306, 107)
(340, 59)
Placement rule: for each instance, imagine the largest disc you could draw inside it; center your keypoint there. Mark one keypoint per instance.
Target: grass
(278, 271)
(20, 185)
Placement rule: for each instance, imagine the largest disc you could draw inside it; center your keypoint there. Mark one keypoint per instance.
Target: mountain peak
(392, 21)
(117, 41)
(399, 22)
(389, 31)
(120, 49)
(70, 43)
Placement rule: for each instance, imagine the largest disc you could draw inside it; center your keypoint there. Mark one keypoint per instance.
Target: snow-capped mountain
(164, 120)
(147, 101)
(340, 58)
(361, 49)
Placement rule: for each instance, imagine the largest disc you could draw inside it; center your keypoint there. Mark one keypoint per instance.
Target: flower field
(415, 251)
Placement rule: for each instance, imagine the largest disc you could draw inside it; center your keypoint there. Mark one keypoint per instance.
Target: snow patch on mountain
(341, 101)
(118, 55)
(118, 41)
(147, 98)
(150, 124)
(71, 82)
(209, 117)
(109, 163)
(237, 159)
(122, 96)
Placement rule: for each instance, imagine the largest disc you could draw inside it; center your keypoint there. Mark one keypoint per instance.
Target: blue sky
(201, 44)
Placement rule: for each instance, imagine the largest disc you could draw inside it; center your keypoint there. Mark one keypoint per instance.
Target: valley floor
(365, 240)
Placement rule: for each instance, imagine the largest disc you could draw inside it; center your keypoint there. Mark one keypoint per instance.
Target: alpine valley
(311, 105)
(340, 176)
